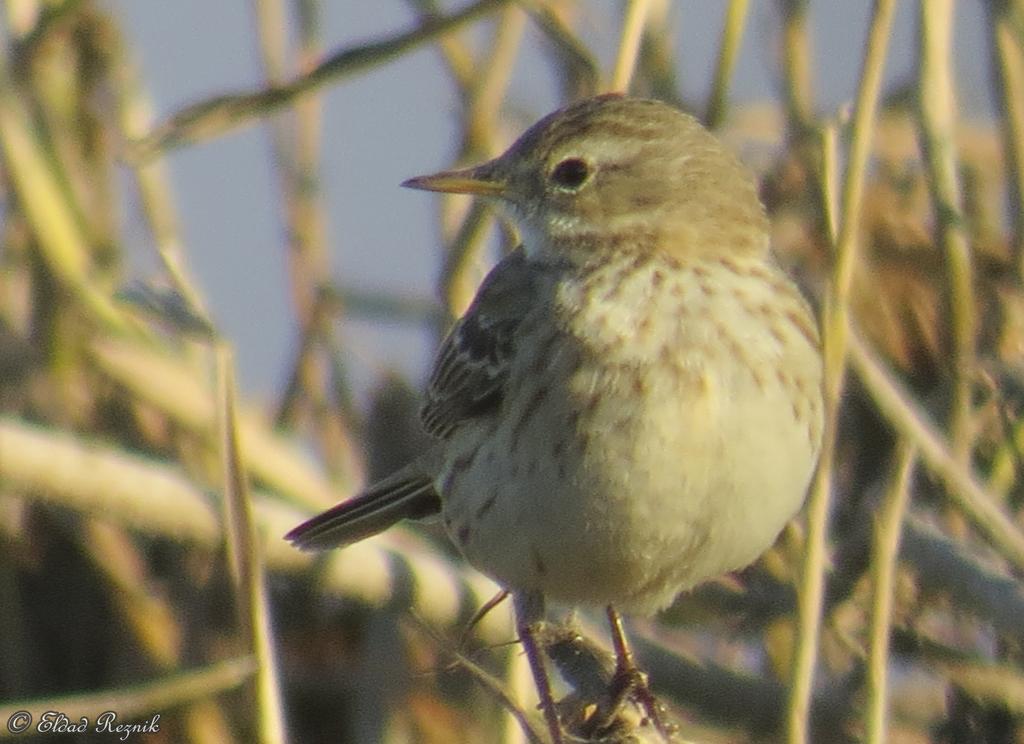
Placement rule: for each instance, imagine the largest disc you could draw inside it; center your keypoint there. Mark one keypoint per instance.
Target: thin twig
(936, 118)
(490, 84)
(295, 137)
(61, 241)
(216, 116)
(149, 616)
(728, 53)
(888, 528)
(580, 72)
(369, 305)
(296, 150)
(797, 87)
(482, 93)
(456, 285)
(811, 594)
(135, 116)
(1007, 45)
(629, 44)
(528, 724)
(896, 404)
(246, 561)
(660, 52)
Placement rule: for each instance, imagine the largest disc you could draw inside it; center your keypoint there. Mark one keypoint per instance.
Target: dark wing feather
(468, 380)
(471, 367)
(407, 494)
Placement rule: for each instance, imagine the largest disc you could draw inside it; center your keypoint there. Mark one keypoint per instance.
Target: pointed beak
(481, 180)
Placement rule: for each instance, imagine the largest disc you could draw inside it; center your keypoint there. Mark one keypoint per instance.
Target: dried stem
(629, 44)
(728, 52)
(937, 122)
(1007, 43)
(797, 88)
(896, 404)
(885, 551)
(834, 318)
(220, 115)
(246, 561)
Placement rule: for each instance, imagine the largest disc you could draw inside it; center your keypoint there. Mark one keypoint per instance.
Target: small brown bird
(632, 404)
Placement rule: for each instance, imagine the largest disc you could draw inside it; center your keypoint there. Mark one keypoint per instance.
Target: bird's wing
(406, 494)
(469, 373)
(467, 380)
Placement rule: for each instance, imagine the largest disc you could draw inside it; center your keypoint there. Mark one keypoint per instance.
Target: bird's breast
(646, 441)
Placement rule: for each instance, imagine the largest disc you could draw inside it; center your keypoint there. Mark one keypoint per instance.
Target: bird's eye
(571, 173)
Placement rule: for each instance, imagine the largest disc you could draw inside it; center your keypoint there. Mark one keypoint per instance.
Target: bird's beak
(481, 180)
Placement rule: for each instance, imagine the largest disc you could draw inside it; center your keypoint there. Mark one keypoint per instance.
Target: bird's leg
(628, 679)
(529, 608)
(480, 614)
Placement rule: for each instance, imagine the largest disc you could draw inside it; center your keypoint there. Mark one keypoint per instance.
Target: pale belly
(624, 473)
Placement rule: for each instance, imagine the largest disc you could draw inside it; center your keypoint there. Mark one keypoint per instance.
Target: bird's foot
(629, 683)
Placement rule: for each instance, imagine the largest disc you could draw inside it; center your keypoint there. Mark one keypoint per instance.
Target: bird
(632, 403)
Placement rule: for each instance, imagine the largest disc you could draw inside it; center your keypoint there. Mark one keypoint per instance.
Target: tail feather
(408, 494)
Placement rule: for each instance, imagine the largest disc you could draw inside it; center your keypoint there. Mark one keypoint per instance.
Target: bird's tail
(406, 494)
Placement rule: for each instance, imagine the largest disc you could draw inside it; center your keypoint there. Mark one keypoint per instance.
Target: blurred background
(401, 119)
(217, 306)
